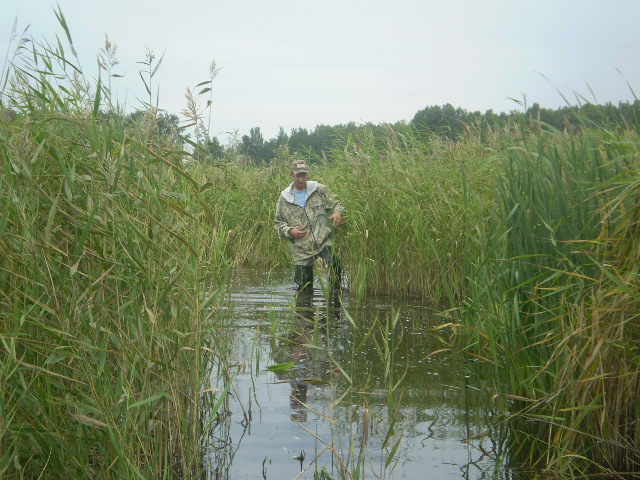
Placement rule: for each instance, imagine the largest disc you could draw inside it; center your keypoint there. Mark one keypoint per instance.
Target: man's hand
(337, 218)
(298, 232)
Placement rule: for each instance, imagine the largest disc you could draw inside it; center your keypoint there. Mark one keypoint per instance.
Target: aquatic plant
(243, 198)
(555, 295)
(407, 218)
(109, 269)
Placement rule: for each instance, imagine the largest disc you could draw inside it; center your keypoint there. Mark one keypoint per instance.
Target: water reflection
(306, 330)
(356, 390)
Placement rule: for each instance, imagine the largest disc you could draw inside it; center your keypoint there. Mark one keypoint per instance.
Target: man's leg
(335, 273)
(304, 276)
(333, 266)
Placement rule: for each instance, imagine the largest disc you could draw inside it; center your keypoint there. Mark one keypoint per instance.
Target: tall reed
(407, 217)
(109, 271)
(555, 295)
(243, 198)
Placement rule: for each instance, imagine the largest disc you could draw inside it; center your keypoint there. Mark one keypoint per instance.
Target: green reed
(555, 297)
(109, 271)
(407, 218)
(243, 198)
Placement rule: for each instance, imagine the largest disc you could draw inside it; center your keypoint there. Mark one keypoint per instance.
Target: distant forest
(436, 121)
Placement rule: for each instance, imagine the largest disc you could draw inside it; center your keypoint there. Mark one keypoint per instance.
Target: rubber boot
(334, 269)
(303, 277)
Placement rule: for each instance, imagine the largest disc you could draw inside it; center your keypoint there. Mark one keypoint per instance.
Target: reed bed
(243, 199)
(111, 362)
(410, 205)
(555, 297)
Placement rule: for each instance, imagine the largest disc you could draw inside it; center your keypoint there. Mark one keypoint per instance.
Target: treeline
(443, 122)
(446, 122)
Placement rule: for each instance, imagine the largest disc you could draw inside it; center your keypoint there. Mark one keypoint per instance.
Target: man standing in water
(303, 212)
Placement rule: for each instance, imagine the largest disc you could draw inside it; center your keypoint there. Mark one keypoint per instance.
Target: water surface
(367, 391)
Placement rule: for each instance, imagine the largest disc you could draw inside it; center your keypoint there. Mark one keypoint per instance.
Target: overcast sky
(298, 63)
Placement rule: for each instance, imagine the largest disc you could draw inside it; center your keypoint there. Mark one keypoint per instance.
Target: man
(303, 214)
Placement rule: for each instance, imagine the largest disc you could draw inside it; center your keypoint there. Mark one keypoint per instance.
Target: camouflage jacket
(321, 204)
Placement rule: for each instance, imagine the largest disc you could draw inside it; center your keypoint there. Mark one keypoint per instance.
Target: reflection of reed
(221, 443)
(386, 357)
(223, 449)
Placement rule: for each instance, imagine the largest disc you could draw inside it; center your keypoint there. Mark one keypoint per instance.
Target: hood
(287, 193)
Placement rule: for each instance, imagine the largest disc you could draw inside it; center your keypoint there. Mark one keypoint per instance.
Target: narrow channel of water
(323, 384)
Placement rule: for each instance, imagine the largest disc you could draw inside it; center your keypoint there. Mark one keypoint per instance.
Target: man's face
(300, 180)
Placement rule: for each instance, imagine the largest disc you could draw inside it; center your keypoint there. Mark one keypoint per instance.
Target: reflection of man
(298, 399)
(304, 334)
(303, 212)
(312, 365)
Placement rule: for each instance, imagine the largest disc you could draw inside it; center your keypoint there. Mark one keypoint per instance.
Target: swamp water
(327, 388)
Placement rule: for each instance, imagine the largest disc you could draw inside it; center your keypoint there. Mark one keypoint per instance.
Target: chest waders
(303, 276)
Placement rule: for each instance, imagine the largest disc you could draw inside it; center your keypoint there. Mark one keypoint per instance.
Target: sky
(297, 63)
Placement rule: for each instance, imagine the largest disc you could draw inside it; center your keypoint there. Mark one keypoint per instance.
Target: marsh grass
(109, 270)
(556, 298)
(405, 232)
(243, 199)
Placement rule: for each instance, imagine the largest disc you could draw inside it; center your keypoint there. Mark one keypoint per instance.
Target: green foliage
(282, 367)
(108, 273)
(445, 122)
(253, 145)
(213, 148)
(168, 126)
(242, 199)
(406, 221)
(556, 298)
